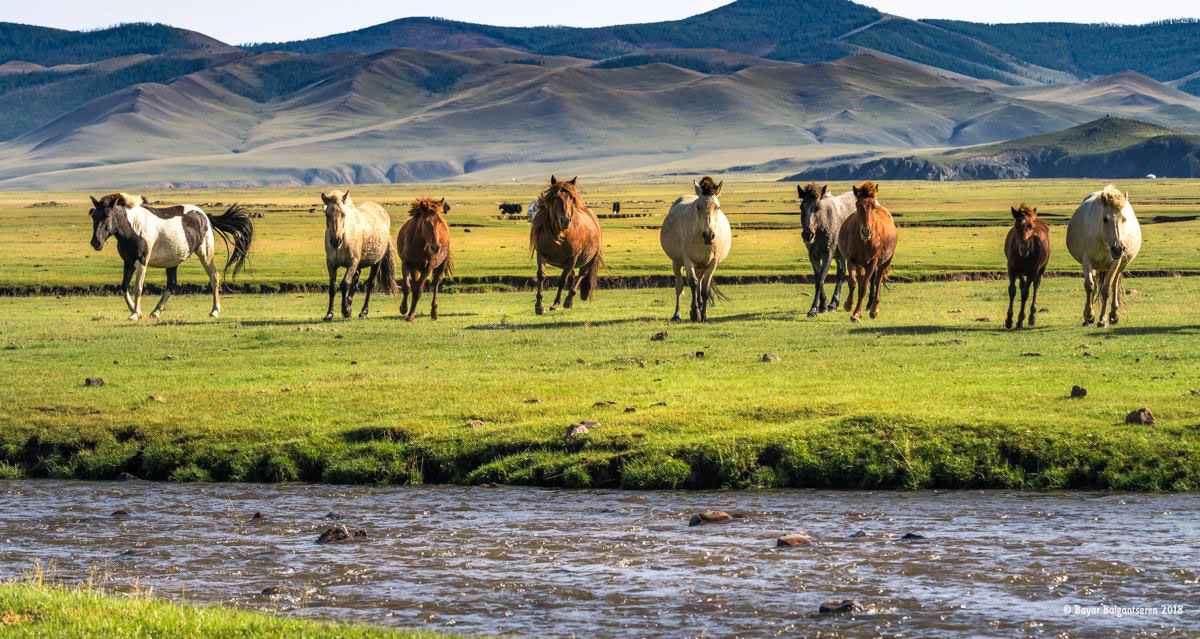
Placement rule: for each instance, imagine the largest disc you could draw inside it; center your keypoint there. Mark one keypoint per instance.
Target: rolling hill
(1105, 148)
(767, 85)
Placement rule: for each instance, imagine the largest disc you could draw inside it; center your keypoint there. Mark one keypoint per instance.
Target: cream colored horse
(697, 238)
(1103, 235)
(357, 236)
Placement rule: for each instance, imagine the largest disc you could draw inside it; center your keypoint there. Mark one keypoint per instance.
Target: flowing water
(551, 563)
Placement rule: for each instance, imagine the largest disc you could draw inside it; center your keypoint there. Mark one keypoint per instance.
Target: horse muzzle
(865, 234)
(97, 244)
(334, 243)
(1117, 251)
(708, 237)
(808, 236)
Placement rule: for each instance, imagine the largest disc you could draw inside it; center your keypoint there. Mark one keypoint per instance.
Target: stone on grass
(659, 336)
(575, 430)
(1140, 416)
(157, 398)
(93, 381)
(1078, 392)
(770, 357)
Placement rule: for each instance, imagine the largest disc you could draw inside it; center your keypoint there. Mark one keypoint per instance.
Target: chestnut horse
(565, 233)
(424, 244)
(868, 241)
(1027, 248)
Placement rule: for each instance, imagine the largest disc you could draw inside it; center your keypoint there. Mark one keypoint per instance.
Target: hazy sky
(240, 21)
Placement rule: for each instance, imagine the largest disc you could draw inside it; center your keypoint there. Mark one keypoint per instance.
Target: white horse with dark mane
(821, 216)
(696, 236)
(164, 238)
(1103, 235)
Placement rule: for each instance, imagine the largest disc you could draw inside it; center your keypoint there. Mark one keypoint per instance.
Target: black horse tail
(715, 293)
(237, 229)
(588, 286)
(385, 280)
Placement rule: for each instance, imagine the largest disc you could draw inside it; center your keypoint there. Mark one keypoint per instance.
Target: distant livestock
(508, 208)
(1104, 236)
(616, 207)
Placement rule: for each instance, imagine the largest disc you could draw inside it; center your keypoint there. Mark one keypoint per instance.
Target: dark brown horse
(424, 245)
(868, 241)
(565, 233)
(1027, 248)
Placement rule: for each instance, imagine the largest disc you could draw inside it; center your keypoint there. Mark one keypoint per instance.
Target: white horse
(1103, 235)
(164, 238)
(697, 238)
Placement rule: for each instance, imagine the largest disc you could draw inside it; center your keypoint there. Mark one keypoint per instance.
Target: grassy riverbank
(935, 393)
(948, 229)
(39, 611)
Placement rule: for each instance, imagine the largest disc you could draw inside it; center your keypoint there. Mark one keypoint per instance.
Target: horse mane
(423, 205)
(121, 199)
(868, 189)
(708, 186)
(1113, 197)
(1027, 210)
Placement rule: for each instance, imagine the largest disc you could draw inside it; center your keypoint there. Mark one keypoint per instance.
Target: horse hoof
(539, 310)
(1112, 320)
(874, 314)
(812, 312)
(832, 308)
(676, 318)
(154, 316)
(433, 315)
(567, 304)
(1008, 323)
(135, 317)
(849, 305)
(856, 318)
(362, 315)
(554, 307)
(409, 318)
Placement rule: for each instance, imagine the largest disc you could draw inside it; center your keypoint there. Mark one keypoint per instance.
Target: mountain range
(764, 85)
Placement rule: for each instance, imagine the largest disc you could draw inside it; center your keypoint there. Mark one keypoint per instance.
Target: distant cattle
(510, 209)
(616, 207)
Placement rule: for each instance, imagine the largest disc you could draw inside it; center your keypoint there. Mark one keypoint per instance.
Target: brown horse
(565, 233)
(868, 241)
(1027, 248)
(424, 245)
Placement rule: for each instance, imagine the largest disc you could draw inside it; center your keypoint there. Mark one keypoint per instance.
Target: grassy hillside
(48, 47)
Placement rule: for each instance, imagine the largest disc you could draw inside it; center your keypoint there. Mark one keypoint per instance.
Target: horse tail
(385, 280)
(717, 294)
(236, 228)
(448, 265)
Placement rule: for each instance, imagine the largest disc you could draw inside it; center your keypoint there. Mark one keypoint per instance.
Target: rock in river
(710, 517)
(793, 539)
(840, 606)
(340, 533)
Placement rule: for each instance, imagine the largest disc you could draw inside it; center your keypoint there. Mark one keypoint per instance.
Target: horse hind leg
(576, 282)
(437, 285)
(172, 274)
(864, 285)
(839, 276)
(851, 283)
(349, 282)
(564, 280)
(541, 282)
(370, 285)
(876, 289)
(405, 274)
(1025, 282)
(332, 289)
(1012, 296)
(1106, 286)
(418, 288)
(1089, 293)
(1037, 282)
(818, 302)
(139, 281)
(1116, 298)
(678, 268)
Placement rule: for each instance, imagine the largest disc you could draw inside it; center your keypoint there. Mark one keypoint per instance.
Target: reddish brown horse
(868, 241)
(424, 244)
(1027, 248)
(565, 233)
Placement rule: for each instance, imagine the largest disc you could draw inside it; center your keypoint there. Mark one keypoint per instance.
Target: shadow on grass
(1150, 330)
(779, 315)
(934, 330)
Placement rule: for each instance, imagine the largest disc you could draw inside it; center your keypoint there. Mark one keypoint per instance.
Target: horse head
(336, 204)
(560, 200)
(108, 216)
(1113, 217)
(707, 206)
(1023, 218)
(865, 195)
(431, 226)
(810, 202)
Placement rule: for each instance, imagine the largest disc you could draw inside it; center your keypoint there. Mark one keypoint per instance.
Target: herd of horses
(853, 230)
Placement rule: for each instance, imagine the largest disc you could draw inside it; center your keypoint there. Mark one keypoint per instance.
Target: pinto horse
(424, 245)
(1027, 248)
(565, 233)
(822, 216)
(164, 238)
(868, 240)
(1103, 235)
(697, 238)
(357, 236)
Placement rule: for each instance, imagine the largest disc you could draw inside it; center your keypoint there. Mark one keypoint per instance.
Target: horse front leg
(678, 268)
(876, 278)
(1012, 295)
(862, 274)
(126, 278)
(565, 279)
(1107, 293)
(1116, 296)
(838, 277)
(1025, 282)
(851, 284)
(437, 285)
(1089, 293)
(139, 280)
(693, 282)
(367, 293)
(1037, 281)
(541, 282)
(418, 288)
(332, 289)
(405, 274)
(818, 302)
(585, 271)
(706, 289)
(162, 301)
(349, 280)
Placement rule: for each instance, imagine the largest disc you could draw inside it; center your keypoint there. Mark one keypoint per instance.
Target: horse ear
(95, 204)
(1035, 209)
(553, 180)
(854, 187)
(443, 204)
(1015, 212)
(717, 191)
(345, 196)
(696, 184)
(574, 179)
(800, 191)
(824, 187)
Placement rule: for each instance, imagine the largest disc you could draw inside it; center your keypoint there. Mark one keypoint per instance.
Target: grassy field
(935, 393)
(33, 610)
(949, 228)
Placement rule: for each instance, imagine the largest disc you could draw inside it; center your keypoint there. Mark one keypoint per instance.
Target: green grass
(932, 394)
(38, 611)
(948, 228)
